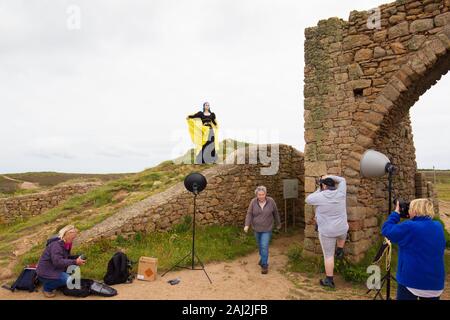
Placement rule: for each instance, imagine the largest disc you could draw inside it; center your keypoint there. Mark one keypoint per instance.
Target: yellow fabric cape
(200, 133)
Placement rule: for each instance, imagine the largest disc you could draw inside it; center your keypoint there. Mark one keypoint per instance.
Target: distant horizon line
(132, 172)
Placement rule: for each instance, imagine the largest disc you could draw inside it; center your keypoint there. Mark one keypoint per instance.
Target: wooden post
(434, 174)
(293, 213)
(285, 216)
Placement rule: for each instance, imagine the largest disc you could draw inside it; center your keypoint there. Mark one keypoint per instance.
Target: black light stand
(195, 183)
(386, 247)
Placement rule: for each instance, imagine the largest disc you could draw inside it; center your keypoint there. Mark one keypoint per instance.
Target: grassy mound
(87, 210)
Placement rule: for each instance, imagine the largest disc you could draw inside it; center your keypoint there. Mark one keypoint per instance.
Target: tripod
(191, 254)
(386, 279)
(386, 248)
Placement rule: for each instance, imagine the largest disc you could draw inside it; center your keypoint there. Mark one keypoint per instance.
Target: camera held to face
(404, 207)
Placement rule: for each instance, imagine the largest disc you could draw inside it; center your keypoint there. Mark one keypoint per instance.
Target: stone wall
(224, 201)
(361, 79)
(425, 189)
(21, 207)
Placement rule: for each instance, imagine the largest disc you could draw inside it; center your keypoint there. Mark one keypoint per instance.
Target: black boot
(339, 253)
(265, 269)
(327, 282)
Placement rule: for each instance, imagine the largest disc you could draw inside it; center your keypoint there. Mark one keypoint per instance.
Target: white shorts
(329, 244)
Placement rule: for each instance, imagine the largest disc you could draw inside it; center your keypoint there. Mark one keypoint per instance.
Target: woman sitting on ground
(55, 260)
(421, 243)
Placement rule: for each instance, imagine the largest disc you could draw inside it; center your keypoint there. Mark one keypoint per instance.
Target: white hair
(260, 188)
(65, 230)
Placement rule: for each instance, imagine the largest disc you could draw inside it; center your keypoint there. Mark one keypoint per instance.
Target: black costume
(208, 153)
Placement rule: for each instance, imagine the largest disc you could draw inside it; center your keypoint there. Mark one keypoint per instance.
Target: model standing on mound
(203, 129)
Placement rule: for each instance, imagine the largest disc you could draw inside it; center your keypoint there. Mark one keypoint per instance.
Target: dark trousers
(404, 294)
(208, 153)
(52, 284)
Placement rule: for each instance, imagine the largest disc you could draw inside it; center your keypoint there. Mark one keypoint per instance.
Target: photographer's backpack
(82, 292)
(27, 280)
(118, 271)
(89, 287)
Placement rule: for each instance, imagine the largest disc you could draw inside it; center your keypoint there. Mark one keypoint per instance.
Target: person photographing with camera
(55, 260)
(421, 244)
(330, 202)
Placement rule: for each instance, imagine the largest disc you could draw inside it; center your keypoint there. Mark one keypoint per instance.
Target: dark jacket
(206, 120)
(421, 244)
(261, 220)
(54, 260)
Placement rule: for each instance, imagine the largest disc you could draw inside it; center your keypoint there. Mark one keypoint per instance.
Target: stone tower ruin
(362, 76)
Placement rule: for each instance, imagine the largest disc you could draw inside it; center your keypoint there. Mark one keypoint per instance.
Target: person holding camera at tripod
(330, 202)
(421, 243)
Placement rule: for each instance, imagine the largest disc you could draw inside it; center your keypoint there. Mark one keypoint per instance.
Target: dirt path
(24, 185)
(240, 279)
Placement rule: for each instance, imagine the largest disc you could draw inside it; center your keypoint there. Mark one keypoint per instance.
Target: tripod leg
(199, 261)
(203, 268)
(175, 265)
(207, 275)
(379, 292)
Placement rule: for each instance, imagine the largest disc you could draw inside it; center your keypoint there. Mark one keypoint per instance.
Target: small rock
(416, 42)
(421, 25)
(398, 30)
(363, 55)
(442, 19)
(379, 52)
(398, 48)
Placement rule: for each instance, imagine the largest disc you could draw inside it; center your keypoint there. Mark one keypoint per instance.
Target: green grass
(443, 191)
(446, 234)
(442, 176)
(50, 179)
(442, 185)
(213, 243)
(7, 186)
(96, 197)
(298, 262)
(45, 180)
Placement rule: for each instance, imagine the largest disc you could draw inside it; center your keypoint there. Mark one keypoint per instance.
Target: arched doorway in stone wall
(360, 83)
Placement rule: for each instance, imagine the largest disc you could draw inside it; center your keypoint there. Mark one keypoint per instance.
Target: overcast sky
(113, 94)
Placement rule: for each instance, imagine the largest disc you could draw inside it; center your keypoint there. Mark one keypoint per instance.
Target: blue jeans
(263, 239)
(52, 284)
(404, 294)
